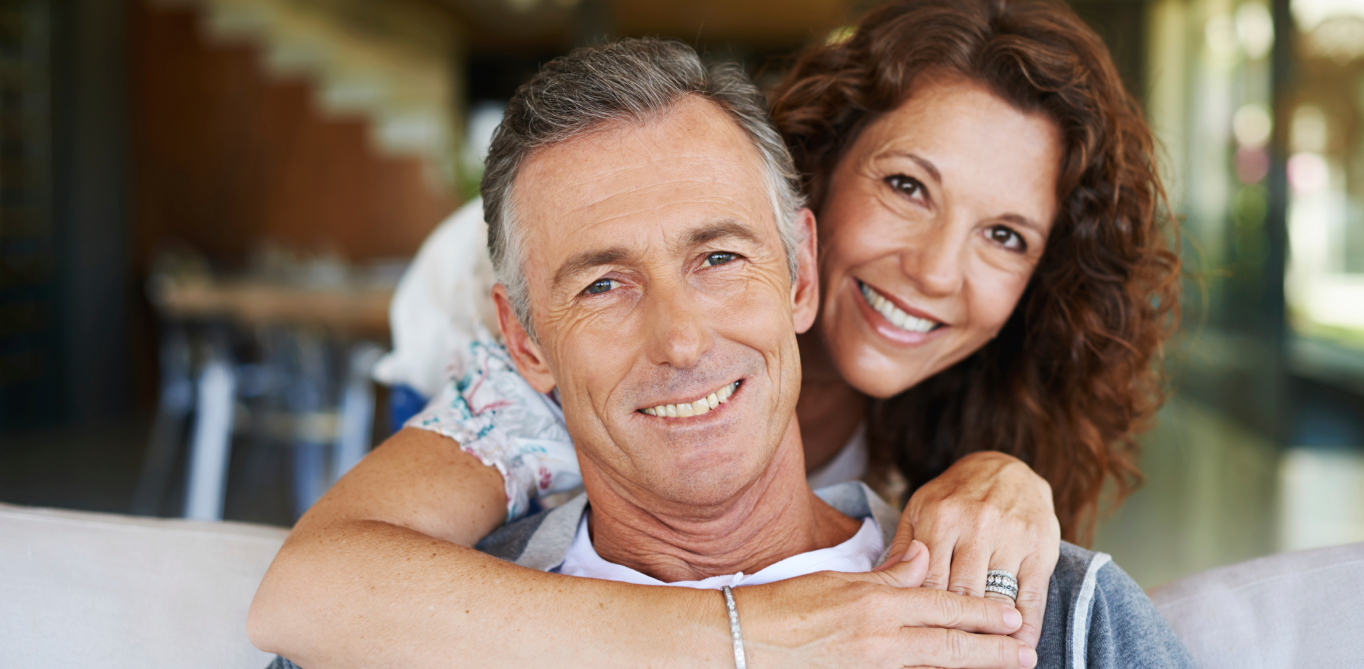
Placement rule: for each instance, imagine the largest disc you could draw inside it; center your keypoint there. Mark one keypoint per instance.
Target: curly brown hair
(1072, 376)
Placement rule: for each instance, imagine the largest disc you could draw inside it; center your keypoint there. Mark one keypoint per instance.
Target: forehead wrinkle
(705, 168)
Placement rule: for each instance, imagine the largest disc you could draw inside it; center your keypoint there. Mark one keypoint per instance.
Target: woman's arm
(379, 573)
(988, 511)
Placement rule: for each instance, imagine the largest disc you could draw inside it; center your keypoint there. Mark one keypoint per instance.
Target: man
(654, 267)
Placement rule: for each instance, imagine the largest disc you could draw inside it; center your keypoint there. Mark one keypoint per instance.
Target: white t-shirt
(858, 554)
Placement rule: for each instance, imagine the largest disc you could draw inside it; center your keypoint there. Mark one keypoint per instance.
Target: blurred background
(205, 206)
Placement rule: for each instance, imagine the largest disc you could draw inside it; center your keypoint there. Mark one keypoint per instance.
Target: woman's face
(933, 222)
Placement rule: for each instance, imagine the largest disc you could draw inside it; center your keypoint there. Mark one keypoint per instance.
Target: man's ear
(529, 359)
(805, 290)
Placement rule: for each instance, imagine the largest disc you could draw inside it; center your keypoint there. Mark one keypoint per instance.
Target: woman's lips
(883, 315)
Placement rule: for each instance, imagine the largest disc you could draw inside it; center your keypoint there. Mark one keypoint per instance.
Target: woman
(994, 268)
(1057, 368)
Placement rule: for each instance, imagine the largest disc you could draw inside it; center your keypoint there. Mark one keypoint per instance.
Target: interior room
(206, 207)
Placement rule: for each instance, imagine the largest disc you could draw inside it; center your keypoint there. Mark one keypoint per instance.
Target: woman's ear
(805, 290)
(525, 352)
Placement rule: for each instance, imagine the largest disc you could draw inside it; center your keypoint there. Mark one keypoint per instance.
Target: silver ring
(1001, 582)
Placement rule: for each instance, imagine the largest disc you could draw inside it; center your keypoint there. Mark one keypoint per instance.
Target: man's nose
(936, 258)
(678, 330)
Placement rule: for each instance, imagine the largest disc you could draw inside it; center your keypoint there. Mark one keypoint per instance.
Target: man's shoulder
(1099, 618)
(855, 500)
(539, 541)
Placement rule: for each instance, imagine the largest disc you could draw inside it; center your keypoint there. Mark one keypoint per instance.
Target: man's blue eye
(601, 286)
(718, 259)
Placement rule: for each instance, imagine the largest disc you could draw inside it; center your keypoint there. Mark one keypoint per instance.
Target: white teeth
(687, 409)
(894, 314)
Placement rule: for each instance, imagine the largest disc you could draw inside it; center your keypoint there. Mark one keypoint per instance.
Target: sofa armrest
(101, 590)
(1289, 610)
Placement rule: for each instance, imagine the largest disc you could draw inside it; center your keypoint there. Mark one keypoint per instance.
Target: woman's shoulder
(1099, 618)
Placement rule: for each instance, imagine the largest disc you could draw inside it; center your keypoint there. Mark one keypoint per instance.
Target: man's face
(658, 282)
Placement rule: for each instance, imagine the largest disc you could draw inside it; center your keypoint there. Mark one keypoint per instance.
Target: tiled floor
(1217, 494)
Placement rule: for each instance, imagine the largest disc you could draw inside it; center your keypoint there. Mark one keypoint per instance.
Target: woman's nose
(678, 330)
(934, 262)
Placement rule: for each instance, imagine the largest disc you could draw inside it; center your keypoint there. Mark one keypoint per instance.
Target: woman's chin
(878, 376)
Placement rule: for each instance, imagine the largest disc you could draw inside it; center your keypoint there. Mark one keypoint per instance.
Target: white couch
(104, 591)
(1301, 609)
(95, 590)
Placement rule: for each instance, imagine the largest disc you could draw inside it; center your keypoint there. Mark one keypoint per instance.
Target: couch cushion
(1289, 610)
(95, 590)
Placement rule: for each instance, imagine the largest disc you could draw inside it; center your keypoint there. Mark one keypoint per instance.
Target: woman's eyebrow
(1019, 219)
(923, 162)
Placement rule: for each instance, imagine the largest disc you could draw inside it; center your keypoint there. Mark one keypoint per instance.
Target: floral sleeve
(496, 416)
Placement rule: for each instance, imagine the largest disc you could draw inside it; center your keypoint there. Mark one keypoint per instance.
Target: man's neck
(775, 517)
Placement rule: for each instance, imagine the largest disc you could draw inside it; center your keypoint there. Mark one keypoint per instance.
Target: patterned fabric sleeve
(496, 416)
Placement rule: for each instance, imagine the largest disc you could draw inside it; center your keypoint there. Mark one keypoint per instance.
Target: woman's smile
(895, 321)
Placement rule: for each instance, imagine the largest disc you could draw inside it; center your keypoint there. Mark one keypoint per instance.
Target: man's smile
(697, 407)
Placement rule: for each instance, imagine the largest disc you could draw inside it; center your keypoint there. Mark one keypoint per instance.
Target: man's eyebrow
(721, 230)
(923, 162)
(587, 260)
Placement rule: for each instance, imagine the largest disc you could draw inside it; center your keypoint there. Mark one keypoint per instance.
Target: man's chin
(704, 484)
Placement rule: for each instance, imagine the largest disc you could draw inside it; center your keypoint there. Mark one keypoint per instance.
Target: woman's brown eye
(907, 185)
(1006, 238)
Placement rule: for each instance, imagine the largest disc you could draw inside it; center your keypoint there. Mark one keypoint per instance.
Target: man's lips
(695, 407)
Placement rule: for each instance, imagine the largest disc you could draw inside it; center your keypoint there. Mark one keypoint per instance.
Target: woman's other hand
(877, 619)
(987, 511)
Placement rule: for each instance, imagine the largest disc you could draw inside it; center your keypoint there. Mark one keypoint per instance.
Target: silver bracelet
(734, 632)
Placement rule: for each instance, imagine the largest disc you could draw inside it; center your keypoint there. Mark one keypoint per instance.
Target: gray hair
(632, 80)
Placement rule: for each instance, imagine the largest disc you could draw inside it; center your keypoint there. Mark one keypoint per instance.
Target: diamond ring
(1002, 582)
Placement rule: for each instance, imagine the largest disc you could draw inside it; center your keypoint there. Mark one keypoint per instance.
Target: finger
(922, 607)
(907, 572)
(952, 649)
(1034, 579)
(969, 564)
(1010, 561)
(904, 535)
(941, 548)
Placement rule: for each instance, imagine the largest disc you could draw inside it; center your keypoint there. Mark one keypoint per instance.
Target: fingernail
(914, 548)
(1027, 656)
(1013, 618)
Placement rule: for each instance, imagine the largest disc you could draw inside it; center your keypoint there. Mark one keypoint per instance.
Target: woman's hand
(987, 511)
(877, 619)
